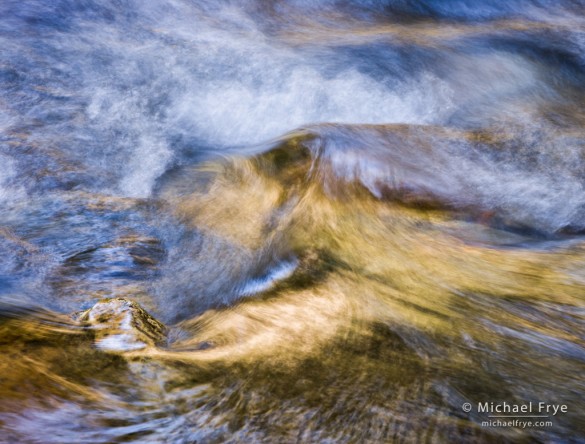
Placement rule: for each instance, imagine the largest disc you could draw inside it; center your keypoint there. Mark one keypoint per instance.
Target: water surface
(346, 218)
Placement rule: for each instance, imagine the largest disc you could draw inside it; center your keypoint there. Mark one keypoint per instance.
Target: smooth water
(347, 219)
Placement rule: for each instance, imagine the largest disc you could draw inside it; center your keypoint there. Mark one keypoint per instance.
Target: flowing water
(290, 220)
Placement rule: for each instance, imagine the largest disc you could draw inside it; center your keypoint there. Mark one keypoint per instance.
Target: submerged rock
(123, 325)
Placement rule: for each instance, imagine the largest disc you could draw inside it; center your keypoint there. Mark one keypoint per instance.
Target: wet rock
(123, 325)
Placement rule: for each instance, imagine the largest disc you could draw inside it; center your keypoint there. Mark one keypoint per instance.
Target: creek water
(345, 219)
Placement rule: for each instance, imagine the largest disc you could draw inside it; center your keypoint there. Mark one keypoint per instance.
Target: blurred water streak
(352, 217)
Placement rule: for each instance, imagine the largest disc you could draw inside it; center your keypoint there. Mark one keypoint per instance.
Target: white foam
(279, 272)
(120, 342)
(183, 76)
(147, 163)
(287, 97)
(222, 82)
